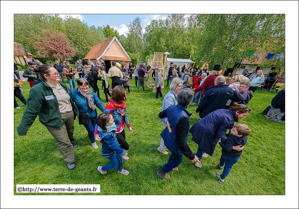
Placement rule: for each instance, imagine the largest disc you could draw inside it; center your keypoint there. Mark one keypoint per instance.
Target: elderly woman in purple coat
(207, 131)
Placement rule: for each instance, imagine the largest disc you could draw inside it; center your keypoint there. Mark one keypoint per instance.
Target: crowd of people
(220, 105)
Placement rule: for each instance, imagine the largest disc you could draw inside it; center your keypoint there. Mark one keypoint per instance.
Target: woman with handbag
(51, 100)
(86, 101)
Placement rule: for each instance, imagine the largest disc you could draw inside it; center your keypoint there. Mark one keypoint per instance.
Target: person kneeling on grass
(176, 134)
(110, 148)
(238, 136)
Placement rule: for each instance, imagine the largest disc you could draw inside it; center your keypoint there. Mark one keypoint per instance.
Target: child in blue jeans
(238, 136)
(106, 128)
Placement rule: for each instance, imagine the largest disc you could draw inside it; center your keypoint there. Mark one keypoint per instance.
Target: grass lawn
(260, 171)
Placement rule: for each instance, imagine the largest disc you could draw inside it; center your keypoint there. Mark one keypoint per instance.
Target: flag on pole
(277, 56)
(270, 56)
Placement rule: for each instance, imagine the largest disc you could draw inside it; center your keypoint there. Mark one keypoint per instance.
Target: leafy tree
(52, 44)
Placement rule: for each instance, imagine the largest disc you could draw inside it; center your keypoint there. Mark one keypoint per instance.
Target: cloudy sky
(118, 22)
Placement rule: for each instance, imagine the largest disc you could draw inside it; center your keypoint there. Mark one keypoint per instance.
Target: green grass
(260, 171)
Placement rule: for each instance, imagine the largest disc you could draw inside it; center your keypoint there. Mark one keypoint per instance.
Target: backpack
(190, 81)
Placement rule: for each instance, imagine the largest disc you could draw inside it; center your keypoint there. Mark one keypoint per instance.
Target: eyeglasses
(57, 74)
(243, 87)
(179, 85)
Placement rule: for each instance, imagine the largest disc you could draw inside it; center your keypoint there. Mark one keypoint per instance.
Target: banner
(250, 54)
(260, 55)
(270, 56)
(277, 56)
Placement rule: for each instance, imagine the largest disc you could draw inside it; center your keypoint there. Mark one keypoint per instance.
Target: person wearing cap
(31, 74)
(115, 74)
(158, 82)
(210, 81)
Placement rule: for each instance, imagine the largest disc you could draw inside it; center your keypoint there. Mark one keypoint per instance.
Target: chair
(260, 86)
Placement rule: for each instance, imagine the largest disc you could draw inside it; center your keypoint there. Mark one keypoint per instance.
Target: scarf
(88, 96)
(120, 107)
(111, 128)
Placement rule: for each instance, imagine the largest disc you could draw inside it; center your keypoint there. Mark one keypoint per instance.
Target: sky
(118, 22)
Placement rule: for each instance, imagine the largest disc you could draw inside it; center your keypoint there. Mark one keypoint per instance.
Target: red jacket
(208, 83)
(196, 80)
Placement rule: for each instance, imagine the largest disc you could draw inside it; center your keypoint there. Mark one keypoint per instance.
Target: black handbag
(84, 118)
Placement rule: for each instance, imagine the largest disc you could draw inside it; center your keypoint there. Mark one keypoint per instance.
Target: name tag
(49, 97)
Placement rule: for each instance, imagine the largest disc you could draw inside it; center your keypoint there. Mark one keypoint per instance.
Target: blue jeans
(116, 162)
(197, 97)
(228, 163)
(168, 78)
(91, 128)
(199, 153)
(72, 84)
(136, 79)
(174, 161)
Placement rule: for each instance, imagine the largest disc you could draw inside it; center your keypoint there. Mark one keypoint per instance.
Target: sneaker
(205, 155)
(124, 172)
(126, 157)
(101, 171)
(162, 174)
(163, 151)
(221, 181)
(198, 164)
(70, 166)
(221, 167)
(94, 145)
(18, 107)
(175, 169)
(75, 145)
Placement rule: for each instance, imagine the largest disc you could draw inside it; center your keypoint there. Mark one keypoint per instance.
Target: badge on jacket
(49, 97)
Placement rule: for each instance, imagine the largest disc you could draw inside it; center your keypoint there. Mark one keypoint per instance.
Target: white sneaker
(126, 157)
(198, 164)
(18, 107)
(163, 151)
(94, 145)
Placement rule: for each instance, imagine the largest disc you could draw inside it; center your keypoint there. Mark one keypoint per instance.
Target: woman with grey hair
(176, 134)
(170, 99)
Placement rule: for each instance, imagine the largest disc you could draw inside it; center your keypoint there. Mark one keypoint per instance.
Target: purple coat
(207, 131)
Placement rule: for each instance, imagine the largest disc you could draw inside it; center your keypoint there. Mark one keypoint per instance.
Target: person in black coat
(176, 134)
(215, 98)
(277, 107)
(238, 136)
(207, 131)
(93, 78)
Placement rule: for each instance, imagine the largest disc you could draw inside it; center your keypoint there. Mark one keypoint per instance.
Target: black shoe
(144, 90)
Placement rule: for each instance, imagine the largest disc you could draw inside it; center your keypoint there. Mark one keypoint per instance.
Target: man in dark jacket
(170, 73)
(16, 71)
(141, 73)
(92, 77)
(59, 69)
(244, 95)
(215, 98)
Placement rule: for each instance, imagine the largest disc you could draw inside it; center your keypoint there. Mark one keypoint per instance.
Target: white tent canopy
(178, 62)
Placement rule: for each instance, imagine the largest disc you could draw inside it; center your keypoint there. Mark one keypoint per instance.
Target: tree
(52, 44)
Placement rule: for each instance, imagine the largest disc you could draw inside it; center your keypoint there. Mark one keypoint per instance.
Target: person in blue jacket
(176, 134)
(106, 129)
(207, 131)
(86, 101)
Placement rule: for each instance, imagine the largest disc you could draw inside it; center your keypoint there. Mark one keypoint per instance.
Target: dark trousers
(115, 81)
(80, 75)
(19, 95)
(228, 163)
(96, 90)
(168, 78)
(127, 87)
(121, 138)
(158, 92)
(136, 79)
(106, 91)
(140, 83)
(90, 128)
(253, 88)
(174, 161)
